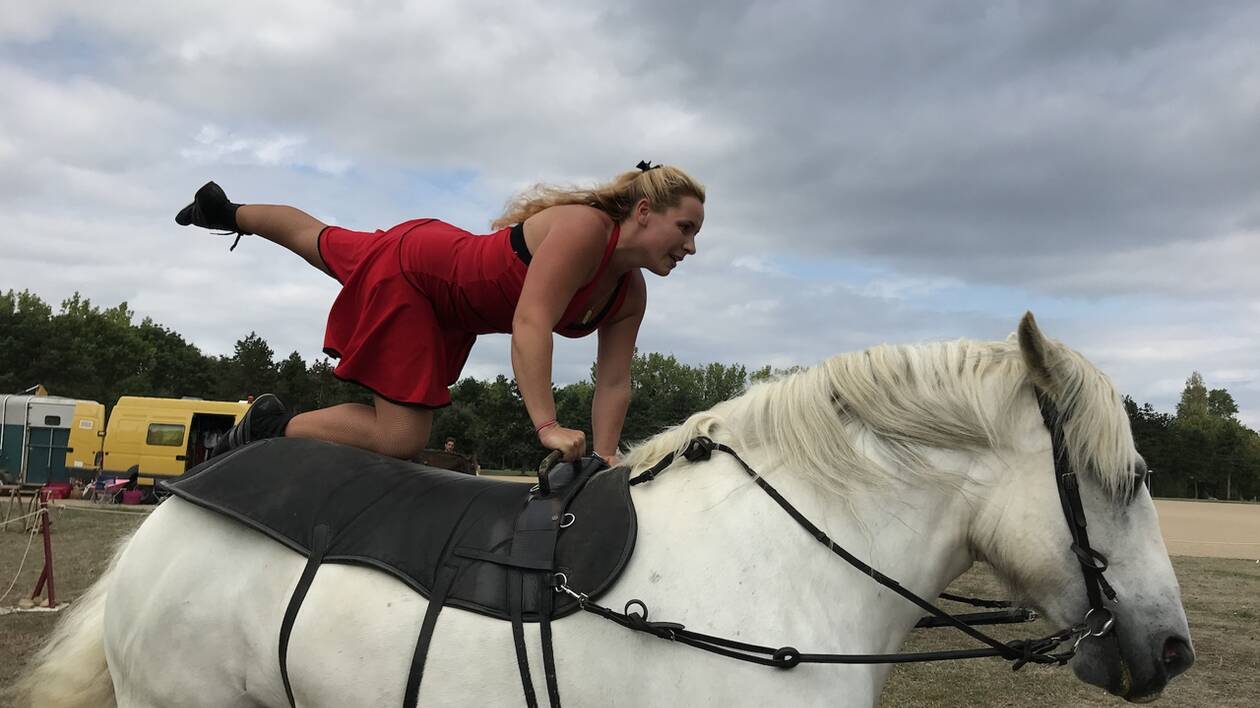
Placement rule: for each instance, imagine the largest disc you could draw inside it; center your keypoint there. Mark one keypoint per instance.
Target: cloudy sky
(877, 172)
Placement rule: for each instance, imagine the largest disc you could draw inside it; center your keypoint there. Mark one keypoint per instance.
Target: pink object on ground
(57, 490)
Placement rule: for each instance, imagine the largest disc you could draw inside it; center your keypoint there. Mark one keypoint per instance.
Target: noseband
(1098, 620)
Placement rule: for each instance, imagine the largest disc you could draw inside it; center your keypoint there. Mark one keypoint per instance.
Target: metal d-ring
(567, 520)
(1106, 626)
(1087, 630)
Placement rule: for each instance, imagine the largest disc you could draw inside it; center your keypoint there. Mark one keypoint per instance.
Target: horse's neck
(722, 557)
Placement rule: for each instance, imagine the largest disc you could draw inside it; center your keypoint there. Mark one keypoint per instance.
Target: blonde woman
(415, 297)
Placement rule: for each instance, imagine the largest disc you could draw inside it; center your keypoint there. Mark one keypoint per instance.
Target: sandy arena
(1210, 529)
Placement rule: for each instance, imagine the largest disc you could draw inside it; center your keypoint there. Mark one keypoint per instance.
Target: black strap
(545, 599)
(1019, 651)
(1016, 615)
(1092, 562)
(504, 559)
(515, 600)
(818, 534)
(319, 546)
(975, 601)
(441, 586)
(697, 449)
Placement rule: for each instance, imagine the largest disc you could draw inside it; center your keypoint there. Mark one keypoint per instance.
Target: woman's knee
(401, 431)
(404, 447)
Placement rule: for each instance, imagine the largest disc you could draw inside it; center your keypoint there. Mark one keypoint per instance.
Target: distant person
(449, 445)
(415, 297)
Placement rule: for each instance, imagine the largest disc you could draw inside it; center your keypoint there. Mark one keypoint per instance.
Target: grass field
(83, 542)
(1222, 598)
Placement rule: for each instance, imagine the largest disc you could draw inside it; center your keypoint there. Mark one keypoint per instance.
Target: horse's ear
(1039, 353)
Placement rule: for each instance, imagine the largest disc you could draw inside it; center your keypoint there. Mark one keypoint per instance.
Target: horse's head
(1023, 532)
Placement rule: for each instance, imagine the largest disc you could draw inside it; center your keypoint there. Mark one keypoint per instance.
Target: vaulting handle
(544, 484)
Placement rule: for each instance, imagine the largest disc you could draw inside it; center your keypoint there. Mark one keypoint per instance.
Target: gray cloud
(1094, 161)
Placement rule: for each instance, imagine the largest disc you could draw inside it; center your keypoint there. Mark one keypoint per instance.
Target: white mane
(902, 400)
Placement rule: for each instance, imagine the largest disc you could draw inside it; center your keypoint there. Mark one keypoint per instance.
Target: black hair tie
(645, 165)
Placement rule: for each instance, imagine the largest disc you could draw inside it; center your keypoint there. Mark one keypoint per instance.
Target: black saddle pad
(408, 520)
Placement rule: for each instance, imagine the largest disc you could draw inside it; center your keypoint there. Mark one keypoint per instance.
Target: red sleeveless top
(415, 297)
(474, 282)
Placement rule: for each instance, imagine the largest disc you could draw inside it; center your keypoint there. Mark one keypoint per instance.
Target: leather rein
(1098, 620)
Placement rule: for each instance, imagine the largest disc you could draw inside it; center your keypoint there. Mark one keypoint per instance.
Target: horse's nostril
(1178, 656)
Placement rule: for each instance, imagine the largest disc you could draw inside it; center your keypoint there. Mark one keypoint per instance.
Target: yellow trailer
(48, 438)
(165, 436)
(87, 437)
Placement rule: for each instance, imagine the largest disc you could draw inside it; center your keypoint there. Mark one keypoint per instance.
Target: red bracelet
(544, 426)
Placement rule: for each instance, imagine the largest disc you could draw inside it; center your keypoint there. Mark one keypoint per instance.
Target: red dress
(415, 297)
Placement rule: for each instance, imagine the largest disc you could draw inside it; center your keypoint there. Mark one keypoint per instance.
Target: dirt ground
(1210, 529)
(1222, 601)
(1220, 595)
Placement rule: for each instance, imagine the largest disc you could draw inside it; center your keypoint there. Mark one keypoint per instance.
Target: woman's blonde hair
(664, 186)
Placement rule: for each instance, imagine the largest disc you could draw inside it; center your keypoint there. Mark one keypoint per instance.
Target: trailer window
(165, 434)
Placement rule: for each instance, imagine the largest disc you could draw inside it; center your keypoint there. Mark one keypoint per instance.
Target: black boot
(266, 418)
(210, 209)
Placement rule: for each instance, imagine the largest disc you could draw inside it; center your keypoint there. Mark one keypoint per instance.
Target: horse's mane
(868, 418)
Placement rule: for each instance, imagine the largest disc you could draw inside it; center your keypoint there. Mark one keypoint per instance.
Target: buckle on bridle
(1092, 626)
(1105, 625)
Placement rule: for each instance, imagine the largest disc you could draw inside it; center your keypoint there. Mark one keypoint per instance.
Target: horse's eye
(1139, 480)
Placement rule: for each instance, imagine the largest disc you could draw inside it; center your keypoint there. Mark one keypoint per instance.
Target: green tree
(1194, 399)
(458, 422)
(250, 370)
(1215, 452)
(330, 390)
(505, 435)
(663, 392)
(463, 420)
(175, 368)
(1221, 405)
(26, 332)
(573, 406)
(294, 384)
(97, 353)
(1155, 439)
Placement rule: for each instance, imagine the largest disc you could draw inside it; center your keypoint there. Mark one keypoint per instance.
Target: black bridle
(1098, 620)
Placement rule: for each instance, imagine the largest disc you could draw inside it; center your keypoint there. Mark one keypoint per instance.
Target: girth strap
(441, 586)
(319, 545)
(516, 591)
(546, 597)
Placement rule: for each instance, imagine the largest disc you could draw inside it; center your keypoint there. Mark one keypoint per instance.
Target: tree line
(1200, 451)
(90, 352)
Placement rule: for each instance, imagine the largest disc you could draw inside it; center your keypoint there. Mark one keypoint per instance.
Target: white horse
(919, 459)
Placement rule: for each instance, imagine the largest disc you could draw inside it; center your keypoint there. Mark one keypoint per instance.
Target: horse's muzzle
(1144, 681)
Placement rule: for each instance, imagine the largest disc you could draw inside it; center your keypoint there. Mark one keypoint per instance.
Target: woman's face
(670, 236)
